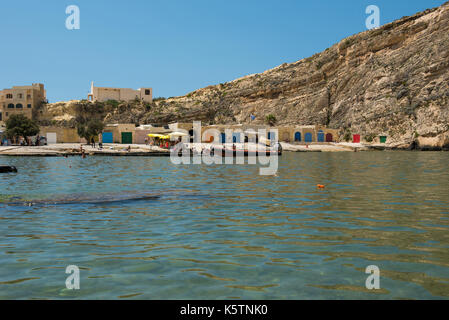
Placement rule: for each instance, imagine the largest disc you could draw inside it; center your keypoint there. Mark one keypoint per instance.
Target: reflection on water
(222, 232)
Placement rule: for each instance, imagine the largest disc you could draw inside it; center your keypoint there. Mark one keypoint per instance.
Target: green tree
(18, 125)
(90, 129)
(270, 119)
(347, 136)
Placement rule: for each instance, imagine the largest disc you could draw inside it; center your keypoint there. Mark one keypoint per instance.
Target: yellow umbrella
(157, 135)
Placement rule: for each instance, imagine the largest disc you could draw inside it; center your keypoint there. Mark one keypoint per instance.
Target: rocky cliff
(393, 80)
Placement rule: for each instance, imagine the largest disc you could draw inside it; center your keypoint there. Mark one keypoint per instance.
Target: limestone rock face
(391, 81)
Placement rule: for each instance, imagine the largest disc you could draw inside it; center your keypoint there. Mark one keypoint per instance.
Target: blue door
(236, 137)
(308, 137)
(271, 135)
(223, 137)
(107, 137)
(298, 136)
(320, 136)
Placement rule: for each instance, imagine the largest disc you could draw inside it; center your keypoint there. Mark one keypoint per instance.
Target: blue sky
(172, 46)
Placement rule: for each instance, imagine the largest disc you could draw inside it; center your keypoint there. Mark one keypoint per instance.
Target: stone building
(21, 99)
(293, 134)
(119, 133)
(60, 135)
(312, 134)
(119, 94)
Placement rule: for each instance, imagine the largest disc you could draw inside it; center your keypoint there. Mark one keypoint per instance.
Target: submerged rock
(5, 169)
(99, 198)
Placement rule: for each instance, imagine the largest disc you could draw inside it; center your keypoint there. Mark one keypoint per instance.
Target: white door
(51, 137)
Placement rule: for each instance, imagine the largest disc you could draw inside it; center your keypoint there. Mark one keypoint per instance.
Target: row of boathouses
(132, 134)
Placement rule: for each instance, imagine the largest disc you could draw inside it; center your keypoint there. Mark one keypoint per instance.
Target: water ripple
(143, 228)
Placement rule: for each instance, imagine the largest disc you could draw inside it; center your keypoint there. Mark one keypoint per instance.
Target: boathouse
(119, 133)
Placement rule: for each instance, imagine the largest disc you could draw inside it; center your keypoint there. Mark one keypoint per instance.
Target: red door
(356, 138)
(329, 137)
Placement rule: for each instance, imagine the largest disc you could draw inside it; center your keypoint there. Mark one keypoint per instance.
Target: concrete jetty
(73, 149)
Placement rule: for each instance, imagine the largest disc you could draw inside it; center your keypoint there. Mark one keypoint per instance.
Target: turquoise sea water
(220, 232)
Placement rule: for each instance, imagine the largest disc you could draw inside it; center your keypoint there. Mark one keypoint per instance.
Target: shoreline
(137, 150)
(72, 149)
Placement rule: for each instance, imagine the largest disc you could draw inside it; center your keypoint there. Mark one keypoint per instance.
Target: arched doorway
(223, 137)
(191, 135)
(298, 136)
(308, 137)
(329, 137)
(320, 136)
(19, 106)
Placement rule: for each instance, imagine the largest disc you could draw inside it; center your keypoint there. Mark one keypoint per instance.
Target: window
(29, 97)
(19, 106)
(10, 106)
(147, 92)
(19, 96)
(0, 116)
(29, 106)
(9, 96)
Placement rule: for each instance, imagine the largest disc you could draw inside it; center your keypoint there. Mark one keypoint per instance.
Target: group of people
(92, 143)
(28, 141)
(161, 143)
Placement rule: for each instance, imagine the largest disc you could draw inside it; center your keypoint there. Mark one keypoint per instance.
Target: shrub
(90, 129)
(113, 103)
(18, 125)
(369, 137)
(270, 119)
(348, 136)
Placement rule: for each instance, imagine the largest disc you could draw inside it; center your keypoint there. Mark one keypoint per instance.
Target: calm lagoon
(224, 231)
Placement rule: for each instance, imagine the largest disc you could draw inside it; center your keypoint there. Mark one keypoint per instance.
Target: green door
(383, 139)
(127, 137)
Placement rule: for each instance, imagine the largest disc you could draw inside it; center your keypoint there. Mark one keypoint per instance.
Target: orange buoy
(320, 186)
